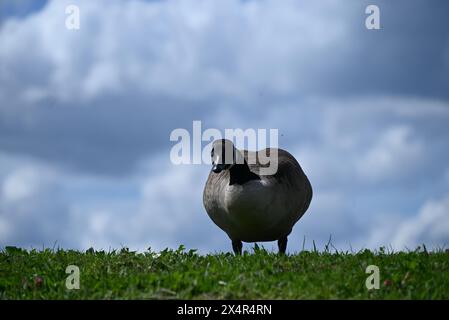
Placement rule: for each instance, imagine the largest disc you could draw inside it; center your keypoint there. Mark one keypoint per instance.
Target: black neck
(241, 174)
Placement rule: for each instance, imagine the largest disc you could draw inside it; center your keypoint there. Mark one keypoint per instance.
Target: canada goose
(250, 206)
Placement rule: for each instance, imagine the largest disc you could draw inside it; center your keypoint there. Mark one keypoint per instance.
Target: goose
(249, 205)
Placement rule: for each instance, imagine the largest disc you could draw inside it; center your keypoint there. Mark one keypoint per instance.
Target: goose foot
(237, 247)
(282, 245)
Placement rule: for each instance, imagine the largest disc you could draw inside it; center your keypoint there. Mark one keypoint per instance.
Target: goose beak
(217, 168)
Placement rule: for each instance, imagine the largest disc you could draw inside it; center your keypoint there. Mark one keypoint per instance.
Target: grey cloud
(101, 102)
(109, 136)
(113, 91)
(19, 8)
(33, 212)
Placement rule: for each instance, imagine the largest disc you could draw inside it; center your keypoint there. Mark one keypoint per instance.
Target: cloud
(159, 208)
(167, 212)
(32, 210)
(124, 86)
(430, 225)
(85, 116)
(19, 8)
(395, 153)
(176, 58)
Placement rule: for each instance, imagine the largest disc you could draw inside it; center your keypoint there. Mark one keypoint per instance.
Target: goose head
(224, 155)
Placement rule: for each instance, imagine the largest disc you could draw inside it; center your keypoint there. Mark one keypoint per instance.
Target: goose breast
(259, 210)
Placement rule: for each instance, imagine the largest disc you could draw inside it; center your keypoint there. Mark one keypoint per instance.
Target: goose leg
(282, 245)
(237, 247)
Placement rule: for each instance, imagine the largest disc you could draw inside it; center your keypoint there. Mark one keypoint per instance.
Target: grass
(182, 274)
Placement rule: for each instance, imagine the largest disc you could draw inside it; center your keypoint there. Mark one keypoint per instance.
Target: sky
(86, 117)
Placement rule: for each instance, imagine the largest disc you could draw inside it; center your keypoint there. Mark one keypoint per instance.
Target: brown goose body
(258, 207)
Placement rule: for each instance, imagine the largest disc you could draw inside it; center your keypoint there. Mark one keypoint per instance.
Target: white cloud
(20, 185)
(165, 47)
(249, 64)
(429, 226)
(32, 210)
(395, 153)
(166, 211)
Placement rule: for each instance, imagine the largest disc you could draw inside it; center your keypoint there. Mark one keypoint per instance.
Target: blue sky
(86, 115)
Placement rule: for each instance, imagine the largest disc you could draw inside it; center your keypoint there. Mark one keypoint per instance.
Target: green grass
(182, 274)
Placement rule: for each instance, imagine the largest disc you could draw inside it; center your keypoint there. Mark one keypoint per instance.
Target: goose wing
(289, 175)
